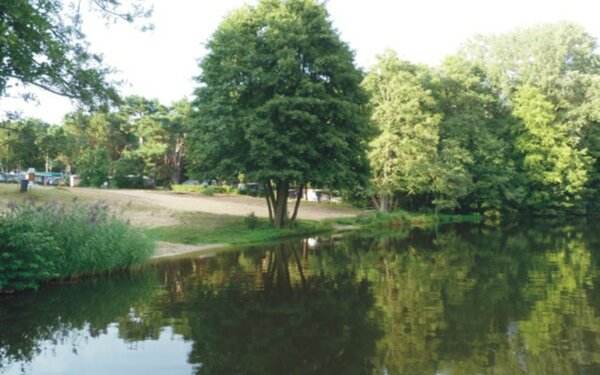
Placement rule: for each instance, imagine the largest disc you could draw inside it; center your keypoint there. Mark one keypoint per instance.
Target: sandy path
(228, 205)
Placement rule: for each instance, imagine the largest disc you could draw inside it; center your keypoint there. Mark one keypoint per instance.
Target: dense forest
(510, 123)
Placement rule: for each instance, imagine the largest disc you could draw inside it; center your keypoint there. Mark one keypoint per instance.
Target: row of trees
(509, 123)
(141, 138)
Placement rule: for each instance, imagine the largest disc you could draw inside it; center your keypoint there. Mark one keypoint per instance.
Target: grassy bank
(196, 228)
(205, 228)
(390, 220)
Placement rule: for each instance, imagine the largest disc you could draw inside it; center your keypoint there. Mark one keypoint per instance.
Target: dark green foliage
(547, 76)
(43, 242)
(94, 167)
(25, 255)
(142, 138)
(510, 124)
(30, 143)
(477, 124)
(280, 101)
(128, 174)
(208, 191)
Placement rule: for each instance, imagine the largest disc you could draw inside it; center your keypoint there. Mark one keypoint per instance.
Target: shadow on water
(522, 299)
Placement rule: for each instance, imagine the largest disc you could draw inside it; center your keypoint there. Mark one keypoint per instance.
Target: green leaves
(280, 99)
(509, 123)
(556, 169)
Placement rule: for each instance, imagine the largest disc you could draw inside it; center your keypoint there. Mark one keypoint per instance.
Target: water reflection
(523, 299)
(292, 322)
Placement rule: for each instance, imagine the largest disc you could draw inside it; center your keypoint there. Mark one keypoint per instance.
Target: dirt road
(229, 205)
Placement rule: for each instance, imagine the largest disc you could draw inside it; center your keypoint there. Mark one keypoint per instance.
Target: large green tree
(556, 171)
(280, 101)
(476, 125)
(404, 152)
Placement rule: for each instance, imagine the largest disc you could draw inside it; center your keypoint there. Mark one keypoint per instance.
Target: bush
(25, 256)
(127, 174)
(43, 242)
(93, 167)
(251, 221)
(205, 190)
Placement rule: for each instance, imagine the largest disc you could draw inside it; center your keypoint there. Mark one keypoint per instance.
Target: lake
(458, 299)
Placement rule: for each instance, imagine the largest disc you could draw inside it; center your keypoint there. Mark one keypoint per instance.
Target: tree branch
(44, 87)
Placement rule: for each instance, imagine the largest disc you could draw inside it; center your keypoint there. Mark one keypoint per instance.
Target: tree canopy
(509, 123)
(280, 101)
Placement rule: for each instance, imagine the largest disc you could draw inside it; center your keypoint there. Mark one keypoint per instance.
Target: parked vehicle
(8, 178)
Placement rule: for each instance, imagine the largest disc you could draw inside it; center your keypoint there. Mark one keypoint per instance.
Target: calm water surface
(524, 299)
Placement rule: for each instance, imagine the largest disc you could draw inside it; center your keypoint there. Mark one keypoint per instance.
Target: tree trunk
(277, 193)
(385, 203)
(271, 201)
(376, 202)
(269, 204)
(298, 199)
(281, 214)
(173, 161)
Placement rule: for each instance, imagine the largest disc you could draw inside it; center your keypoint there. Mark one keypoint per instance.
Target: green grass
(11, 193)
(205, 228)
(379, 220)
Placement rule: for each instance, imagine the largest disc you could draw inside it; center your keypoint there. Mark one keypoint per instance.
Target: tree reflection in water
(523, 299)
(291, 323)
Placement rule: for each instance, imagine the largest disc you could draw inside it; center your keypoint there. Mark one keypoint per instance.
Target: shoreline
(166, 250)
(376, 222)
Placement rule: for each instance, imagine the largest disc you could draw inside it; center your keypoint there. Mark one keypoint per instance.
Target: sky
(161, 63)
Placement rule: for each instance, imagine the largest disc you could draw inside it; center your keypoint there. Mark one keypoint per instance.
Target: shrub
(251, 221)
(43, 242)
(93, 167)
(127, 173)
(205, 190)
(24, 256)
(209, 191)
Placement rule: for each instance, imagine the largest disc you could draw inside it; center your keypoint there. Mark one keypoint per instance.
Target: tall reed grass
(41, 242)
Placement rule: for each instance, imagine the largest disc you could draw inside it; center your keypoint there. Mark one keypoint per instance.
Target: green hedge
(205, 190)
(44, 242)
